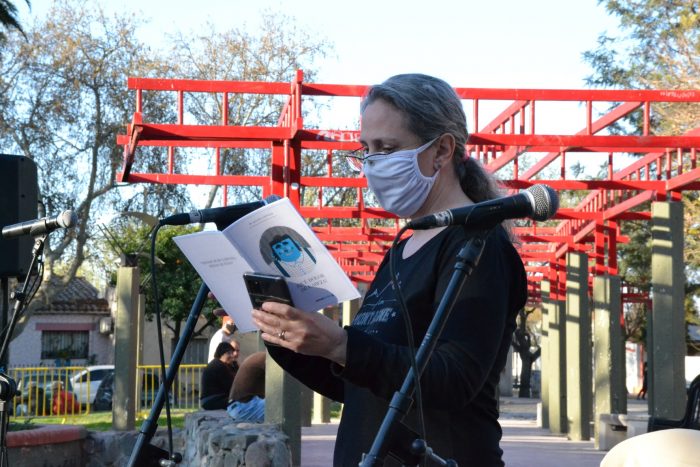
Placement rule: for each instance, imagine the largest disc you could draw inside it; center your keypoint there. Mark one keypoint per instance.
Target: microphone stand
(145, 454)
(8, 386)
(393, 435)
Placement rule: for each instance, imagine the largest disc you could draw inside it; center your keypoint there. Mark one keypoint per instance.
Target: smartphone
(266, 288)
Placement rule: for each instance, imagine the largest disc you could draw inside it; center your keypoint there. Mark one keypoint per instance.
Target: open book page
(221, 267)
(275, 239)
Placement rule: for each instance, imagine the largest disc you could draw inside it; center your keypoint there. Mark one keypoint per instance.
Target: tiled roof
(78, 297)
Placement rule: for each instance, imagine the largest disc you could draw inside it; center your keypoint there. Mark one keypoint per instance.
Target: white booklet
(273, 239)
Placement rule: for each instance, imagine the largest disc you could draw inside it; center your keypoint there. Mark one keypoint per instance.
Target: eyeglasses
(358, 157)
(355, 159)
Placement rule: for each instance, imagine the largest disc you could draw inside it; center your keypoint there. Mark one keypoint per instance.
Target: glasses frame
(358, 155)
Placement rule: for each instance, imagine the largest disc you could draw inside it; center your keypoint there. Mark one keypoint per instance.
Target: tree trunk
(525, 374)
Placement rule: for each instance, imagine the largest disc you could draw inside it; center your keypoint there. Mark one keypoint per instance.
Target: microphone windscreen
(546, 202)
(67, 219)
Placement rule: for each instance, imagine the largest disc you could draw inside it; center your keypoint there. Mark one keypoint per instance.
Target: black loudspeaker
(18, 203)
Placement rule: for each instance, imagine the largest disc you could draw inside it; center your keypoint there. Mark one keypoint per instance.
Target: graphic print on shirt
(380, 309)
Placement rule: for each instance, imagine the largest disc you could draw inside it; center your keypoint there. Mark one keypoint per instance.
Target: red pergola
(508, 125)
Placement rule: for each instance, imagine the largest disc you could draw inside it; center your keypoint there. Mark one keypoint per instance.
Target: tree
(64, 100)
(525, 343)
(178, 282)
(8, 16)
(658, 47)
(274, 53)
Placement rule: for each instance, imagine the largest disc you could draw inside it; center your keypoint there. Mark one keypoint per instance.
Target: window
(64, 344)
(98, 375)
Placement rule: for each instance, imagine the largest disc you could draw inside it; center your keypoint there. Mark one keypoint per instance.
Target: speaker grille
(18, 203)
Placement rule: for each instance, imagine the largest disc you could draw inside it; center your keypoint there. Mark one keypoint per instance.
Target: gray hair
(432, 108)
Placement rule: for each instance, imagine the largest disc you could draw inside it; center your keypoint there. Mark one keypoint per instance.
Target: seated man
(247, 397)
(217, 378)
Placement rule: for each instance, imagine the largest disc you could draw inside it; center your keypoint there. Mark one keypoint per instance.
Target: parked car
(150, 384)
(86, 382)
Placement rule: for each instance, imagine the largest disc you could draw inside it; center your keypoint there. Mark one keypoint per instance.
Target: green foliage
(96, 421)
(657, 47)
(178, 282)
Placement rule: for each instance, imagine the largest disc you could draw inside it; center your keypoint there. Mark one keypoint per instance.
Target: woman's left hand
(301, 331)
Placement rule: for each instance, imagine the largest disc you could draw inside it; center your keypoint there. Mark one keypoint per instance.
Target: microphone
(45, 225)
(539, 202)
(222, 216)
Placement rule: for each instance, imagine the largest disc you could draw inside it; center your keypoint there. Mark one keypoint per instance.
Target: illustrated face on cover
(286, 250)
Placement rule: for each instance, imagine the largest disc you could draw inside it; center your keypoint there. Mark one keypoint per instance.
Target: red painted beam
(573, 142)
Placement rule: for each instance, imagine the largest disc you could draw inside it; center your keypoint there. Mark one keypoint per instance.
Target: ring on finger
(280, 335)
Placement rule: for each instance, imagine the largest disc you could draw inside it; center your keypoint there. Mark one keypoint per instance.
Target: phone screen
(266, 288)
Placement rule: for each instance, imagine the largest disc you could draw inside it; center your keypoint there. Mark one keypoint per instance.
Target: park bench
(691, 418)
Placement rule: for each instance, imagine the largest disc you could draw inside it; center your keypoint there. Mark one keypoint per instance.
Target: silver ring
(280, 335)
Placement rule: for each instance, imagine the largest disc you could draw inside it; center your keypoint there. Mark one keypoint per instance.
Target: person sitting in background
(247, 397)
(217, 378)
(63, 402)
(225, 334)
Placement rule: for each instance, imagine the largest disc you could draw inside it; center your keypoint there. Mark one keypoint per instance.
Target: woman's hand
(301, 331)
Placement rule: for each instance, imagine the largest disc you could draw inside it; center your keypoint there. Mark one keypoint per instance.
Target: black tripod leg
(144, 454)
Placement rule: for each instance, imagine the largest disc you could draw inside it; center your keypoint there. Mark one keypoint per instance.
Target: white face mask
(396, 180)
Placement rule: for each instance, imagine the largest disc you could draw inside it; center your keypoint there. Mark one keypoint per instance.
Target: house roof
(78, 297)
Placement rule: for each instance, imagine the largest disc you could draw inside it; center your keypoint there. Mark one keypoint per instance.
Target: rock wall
(209, 439)
(214, 440)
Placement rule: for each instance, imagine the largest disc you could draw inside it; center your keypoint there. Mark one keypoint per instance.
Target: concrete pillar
(125, 348)
(578, 348)
(666, 323)
(283, 404)
(250, 342)
(307, 405)
(322, 409)
(544, 356)
(609, 348)
(321, 406)
(556, 368)
(349, 310)
(140, 321)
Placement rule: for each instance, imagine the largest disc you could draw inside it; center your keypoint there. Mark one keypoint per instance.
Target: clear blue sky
(497, 43)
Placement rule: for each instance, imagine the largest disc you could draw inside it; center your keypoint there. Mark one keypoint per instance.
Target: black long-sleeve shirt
(217, 378)
(459, 382)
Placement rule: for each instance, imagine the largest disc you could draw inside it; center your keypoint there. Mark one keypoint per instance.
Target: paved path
(524, 444)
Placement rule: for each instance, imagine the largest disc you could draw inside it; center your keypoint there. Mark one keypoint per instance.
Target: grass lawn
(98, 421)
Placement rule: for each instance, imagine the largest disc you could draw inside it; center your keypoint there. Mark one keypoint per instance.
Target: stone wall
(113, 448)
(209, 439)
(217, 441)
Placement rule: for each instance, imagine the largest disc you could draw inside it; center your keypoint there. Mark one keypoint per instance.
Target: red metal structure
(511, 131)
